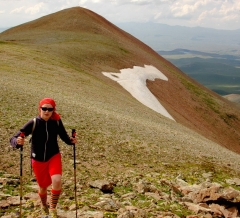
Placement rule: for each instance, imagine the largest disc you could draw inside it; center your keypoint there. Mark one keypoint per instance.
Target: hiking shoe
(53, 213)
(45, 210)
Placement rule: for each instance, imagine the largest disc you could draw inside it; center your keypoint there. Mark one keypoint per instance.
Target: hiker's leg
(43, 195)
(55, 169)
(56, 190)
(43, 179)
(53, 202)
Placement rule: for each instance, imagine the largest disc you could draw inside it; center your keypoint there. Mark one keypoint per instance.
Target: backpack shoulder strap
(34, 124)
(33, 127)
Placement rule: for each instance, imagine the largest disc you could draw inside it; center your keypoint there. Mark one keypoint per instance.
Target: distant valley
(220, 73)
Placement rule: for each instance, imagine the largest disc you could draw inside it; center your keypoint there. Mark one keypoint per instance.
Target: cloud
(227, 10)
(141, 3)
(17, 10)
(188, 9)
(35, 9)
(226, 13)
(206, 13)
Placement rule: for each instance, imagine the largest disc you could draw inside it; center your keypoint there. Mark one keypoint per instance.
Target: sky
(218, 14)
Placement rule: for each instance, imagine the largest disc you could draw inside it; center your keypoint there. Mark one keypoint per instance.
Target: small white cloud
(82, 2)
(17, 10)
(141, 2)
(227, 11)
(185, 10)
(34, 9)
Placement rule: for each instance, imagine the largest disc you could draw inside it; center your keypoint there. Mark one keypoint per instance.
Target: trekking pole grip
(73, 133)
(22, 134)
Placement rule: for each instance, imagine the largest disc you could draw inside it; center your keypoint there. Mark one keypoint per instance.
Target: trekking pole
(74, 167)
(21, 167)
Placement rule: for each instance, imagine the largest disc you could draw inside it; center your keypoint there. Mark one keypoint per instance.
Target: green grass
(201, 94)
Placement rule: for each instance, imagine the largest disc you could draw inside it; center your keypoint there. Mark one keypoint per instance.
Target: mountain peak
(76, 19)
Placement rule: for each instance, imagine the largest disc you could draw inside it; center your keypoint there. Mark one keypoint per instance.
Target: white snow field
(134, 81)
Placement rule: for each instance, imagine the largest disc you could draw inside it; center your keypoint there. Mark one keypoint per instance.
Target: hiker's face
(45, 111)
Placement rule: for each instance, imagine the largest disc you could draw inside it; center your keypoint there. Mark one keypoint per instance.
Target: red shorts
(44, 170)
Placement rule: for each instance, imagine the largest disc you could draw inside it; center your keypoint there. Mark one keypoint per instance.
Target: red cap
(55, 116)
(47, 101)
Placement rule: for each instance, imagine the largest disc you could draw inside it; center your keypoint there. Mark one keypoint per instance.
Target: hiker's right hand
(20, 140)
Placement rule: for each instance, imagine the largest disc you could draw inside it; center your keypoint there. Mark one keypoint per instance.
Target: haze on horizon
(204, 13)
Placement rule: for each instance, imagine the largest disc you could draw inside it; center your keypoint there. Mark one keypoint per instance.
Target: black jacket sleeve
(27, 129)
(63, 134)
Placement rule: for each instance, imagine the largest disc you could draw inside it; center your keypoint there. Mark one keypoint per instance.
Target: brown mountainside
(89, 43)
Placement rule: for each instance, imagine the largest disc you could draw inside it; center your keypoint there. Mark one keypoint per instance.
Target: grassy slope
(116, 133)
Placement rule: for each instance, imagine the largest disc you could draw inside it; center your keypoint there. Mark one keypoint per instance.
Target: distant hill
(234, 98)
(165, 37)
(194, 53)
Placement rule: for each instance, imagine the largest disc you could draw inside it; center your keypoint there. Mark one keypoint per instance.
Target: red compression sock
(43, 198)
(54, 198)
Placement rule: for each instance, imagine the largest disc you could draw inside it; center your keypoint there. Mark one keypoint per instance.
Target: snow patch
(134, 81)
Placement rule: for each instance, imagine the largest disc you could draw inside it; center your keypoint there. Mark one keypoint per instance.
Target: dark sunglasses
(47, 109)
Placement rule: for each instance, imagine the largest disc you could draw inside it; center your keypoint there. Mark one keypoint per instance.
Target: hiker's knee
(56, 182)
(42, 191)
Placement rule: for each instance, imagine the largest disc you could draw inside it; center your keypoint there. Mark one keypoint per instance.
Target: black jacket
(44, 143)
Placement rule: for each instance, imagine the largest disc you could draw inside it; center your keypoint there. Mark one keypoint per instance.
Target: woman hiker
(45, 154)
